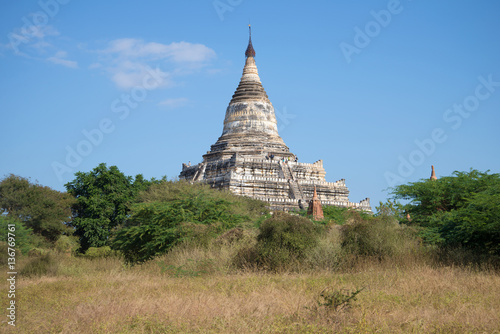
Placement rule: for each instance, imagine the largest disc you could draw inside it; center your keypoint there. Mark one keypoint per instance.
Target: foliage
(285, 238)
(327, 253)
(167, 191)
(40, 265)
(390, 208)
(24, 238)
(99, 252)
(337, 299)
(66, 244)
(154, 227)
(37, 252)
(381, 236)
(460, 210)
(103, 198)
(43, 210)
(335, 214)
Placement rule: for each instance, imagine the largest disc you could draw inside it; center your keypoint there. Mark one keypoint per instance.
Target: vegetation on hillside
(142, 219)
(123, 254)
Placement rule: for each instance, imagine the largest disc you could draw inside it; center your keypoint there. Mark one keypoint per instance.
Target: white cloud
(129, 60)
(63, 62)
(177, 51)
(173, 103)
(58, 59)
(128, 74)
(31, 41)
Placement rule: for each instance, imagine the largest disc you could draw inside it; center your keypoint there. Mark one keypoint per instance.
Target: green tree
(459, 210)
(43, 210)
(103, 198)
(25, 239)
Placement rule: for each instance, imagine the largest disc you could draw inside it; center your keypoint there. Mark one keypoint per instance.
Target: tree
(459, 210)
(24, 237)
(43, 210)
(103, 198)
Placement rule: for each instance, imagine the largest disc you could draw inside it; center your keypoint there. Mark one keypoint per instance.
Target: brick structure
(433, 174)
(315, 209)
(251, 159)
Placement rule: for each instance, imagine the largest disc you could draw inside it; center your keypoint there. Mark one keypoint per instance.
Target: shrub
(284, 239)
(155, 227)
(231, 236)
(336, 300)
(327, 253)
(380, 237)
(36, 252)
(66, 244)
(99, 252)
(39, 266)
(335, 214)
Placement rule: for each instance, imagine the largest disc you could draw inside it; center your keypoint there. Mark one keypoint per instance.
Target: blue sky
(379, 90)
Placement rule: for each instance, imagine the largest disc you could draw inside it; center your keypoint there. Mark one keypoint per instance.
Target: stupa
(251, 159)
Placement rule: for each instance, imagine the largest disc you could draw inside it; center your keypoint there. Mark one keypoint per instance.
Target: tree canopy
(103, 198)
(458, 210)
(43, 210)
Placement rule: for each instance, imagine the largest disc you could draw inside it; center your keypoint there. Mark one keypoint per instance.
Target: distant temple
(251, 159)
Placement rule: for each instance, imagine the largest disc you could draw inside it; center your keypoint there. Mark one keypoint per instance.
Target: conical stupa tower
(250, 125)
(251, 159)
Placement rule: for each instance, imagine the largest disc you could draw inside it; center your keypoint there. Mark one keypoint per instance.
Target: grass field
(105, 296)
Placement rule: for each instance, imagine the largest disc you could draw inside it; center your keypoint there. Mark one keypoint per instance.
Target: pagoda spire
(433, 174)
(250, 52)
(250, 124)
(315, 209)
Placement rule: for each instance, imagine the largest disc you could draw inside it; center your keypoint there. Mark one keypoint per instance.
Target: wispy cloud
(173, 103)
(37, 42)
(129, 60)
(58, 59)
(178, 51)
(33, 41)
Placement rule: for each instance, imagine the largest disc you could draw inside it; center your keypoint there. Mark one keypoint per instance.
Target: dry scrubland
(205, 295)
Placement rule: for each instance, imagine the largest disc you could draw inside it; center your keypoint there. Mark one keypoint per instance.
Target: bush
(334, 214)
(155, 227)
(36, 252)
(99, 252)
(381, 237)
(284, 239)
(327, 253)
(39, 266)
(66, 244)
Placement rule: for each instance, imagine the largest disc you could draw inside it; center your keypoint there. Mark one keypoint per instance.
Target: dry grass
(103, 296)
